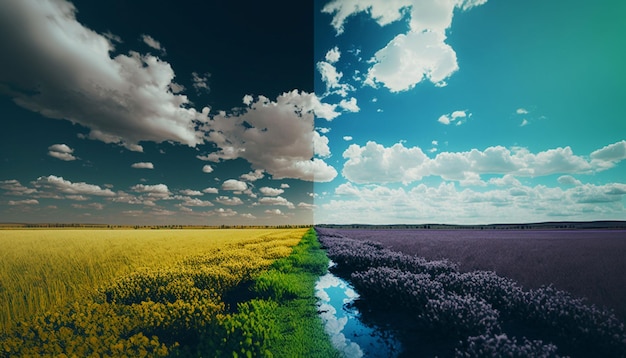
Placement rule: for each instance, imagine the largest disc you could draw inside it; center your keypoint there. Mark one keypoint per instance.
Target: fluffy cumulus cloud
(374, 163)
(349, 105)
(15, 188)
(276, 200)
(143, 165)
(274, 136)
(448, 203)
(159, 191)
(60, 185)
(62, 152)
(253, 175)
(267, 191)
(609, 155)
(123, 99)
(210, 190)
(234, 185)
(225, 200)
(190, 192)
(409, 58)
(458, 116)
(207, 169)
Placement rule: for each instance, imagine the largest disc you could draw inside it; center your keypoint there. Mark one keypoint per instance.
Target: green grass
(291, 283)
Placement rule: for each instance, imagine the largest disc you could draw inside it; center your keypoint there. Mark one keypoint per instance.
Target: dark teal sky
(101, 106)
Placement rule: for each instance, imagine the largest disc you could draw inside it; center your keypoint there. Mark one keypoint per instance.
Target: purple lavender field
(473, 293)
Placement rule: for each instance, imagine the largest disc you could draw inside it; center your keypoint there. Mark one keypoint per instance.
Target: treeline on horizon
(549, 225)
(153, 227)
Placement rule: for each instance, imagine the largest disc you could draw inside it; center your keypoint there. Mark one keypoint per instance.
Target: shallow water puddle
(341, 320)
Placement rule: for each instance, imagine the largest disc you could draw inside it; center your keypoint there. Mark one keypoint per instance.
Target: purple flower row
(473, 303)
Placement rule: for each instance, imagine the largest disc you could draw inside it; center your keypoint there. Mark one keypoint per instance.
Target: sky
(157, 112)
(341, 111)
(472, 112)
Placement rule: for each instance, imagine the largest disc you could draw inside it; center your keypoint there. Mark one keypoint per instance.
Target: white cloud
(277, 137)
(65, 186)
(234, 185)
(225, 212)
(333, 55)
(248, 99)
(23, 202)
(568, 180)
(524, 123)
(248, 216)
(347, 138)
(96, 206)
(210, 191)
(15, 188)
(521, 111)
(201, 82)
(61, 151)
(207, 169)
(284, 186)
(276, 200)
(320, 145)
(274, 212)
(195, 202)
(190, 192)
(267, 191)
(306, 206)
(160, 191)
(444, 119)
(323, 130)
(150, 41)
(374, 163)
(349, 105)
(131, 102)
(253, 175)
(409, 58)
(611, 153)
(225, 200)
(447, 203)
(143, 165)
(454, 116)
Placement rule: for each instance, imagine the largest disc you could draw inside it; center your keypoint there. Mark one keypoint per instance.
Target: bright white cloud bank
(374, 163)
(447, 203)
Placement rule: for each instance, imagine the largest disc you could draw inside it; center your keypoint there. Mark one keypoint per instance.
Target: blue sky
(368, 111)
(472, 111)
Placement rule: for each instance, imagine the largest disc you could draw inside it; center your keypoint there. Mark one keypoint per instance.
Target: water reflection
(341, 321)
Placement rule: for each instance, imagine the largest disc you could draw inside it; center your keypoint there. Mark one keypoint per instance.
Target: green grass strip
(290, 282)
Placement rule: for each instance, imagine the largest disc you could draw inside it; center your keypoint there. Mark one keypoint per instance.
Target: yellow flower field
(42, 270)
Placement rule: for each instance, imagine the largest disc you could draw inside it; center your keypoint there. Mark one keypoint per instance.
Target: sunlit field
(180, 293)
(41, 269)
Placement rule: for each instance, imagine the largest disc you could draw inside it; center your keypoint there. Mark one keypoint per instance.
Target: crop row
(174, 310)
(478, 307)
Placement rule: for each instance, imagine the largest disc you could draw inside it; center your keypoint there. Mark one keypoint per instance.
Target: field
(437, 307)
(160, 293)
(586, 263)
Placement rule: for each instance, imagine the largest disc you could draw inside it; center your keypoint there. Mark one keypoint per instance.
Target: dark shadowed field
(586, 263)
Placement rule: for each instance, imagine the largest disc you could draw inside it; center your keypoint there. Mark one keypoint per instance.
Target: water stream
(342, 322)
